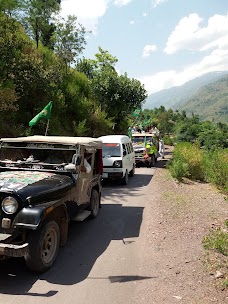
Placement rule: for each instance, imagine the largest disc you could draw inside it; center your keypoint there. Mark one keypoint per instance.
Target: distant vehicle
(118, 158)
(141, 143)
(41, 189)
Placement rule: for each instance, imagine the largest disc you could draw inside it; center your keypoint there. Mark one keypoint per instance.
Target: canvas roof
(65, 140)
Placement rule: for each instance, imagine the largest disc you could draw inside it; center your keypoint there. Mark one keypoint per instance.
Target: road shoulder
(176, 218)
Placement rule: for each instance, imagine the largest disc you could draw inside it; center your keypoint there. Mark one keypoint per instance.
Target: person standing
(161, 148)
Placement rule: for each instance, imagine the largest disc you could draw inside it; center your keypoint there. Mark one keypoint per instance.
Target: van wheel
(132, 172)
(94, 204)
(125, 178)
(43, 247)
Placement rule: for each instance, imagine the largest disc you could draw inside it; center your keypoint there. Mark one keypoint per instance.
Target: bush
(215, 165)
(168, 140)
(217, 240)
(199, 164)
(178, 168)
(187, 161)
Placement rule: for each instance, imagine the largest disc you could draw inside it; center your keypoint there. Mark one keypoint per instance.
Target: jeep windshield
(36, 156)
(142, 139)
(138, 139)
(111, 150)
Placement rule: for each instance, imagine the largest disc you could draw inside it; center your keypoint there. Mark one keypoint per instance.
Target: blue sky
(163, 43)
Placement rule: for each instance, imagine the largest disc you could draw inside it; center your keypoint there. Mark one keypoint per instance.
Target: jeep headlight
(9, 205)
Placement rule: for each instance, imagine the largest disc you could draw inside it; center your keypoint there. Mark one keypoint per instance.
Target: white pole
(47, 127)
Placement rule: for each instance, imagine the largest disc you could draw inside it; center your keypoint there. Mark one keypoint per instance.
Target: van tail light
(117, 164)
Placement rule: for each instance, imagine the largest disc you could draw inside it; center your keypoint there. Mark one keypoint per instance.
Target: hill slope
(210, 102)
(177, 96)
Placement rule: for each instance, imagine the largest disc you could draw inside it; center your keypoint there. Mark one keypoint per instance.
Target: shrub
(187, 161)
(168, 140)
(178, 168)
(215, 164)
(217, 240)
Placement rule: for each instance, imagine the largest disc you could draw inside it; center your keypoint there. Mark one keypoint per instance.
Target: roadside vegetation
(200, 154)
(41, 61)
(216, 245)
(193, 162)
(200, 147)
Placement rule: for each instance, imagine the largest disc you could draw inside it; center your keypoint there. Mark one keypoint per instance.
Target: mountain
(210, 102)
(177, 96)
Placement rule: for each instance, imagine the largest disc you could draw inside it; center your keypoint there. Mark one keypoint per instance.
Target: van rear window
(110, 150)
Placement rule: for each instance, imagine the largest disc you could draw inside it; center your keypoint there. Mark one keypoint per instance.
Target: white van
(118, 157)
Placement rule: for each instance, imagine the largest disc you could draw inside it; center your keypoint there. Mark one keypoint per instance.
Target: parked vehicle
(118, 158)
(146, 149)
(41, 189)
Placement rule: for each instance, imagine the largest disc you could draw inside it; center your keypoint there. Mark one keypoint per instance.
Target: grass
(217, 240)
(216, 168)
(216, 244)
(192, 162)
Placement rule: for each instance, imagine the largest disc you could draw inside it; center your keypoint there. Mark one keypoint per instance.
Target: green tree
(69, 40)
(38, 19)
(211, 136)
(118, 95)
(9, 6)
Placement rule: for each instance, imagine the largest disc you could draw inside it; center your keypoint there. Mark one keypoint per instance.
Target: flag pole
(47, 127)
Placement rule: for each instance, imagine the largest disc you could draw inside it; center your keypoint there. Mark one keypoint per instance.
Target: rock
(177, 297)
(219, 274)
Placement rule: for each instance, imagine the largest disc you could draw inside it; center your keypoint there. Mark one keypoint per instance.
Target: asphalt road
(101, 261)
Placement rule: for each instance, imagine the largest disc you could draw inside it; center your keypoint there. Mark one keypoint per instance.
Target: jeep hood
(33, 183)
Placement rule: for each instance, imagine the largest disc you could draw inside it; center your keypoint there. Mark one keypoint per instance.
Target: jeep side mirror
(70, 167)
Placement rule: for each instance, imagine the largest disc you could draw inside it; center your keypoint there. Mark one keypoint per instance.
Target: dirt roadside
(177, 217)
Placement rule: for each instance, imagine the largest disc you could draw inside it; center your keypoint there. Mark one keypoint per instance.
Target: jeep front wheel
(43, 247)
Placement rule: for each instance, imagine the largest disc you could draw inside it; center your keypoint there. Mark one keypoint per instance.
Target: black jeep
(42, 188)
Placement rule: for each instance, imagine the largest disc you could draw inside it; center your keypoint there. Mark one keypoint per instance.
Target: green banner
(45, 113)
(136, 112)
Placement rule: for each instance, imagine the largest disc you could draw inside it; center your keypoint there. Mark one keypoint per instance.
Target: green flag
(45, 113)
(129, 132)
(136, 112)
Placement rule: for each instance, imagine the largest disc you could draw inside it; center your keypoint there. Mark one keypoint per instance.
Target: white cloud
(158, 2)
(87, 11)
(216, 61)
(145, 14)
(148, 49)
(189, 36)
(132, 22)
(122, 2)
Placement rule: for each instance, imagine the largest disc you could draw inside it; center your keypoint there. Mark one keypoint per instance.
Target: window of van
(128, 148)
(124, 149)
(111, 150)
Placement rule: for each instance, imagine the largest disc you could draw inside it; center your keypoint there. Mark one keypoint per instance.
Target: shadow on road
(123, 279)
(137, 181)
(114, 191)
(86, 242)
